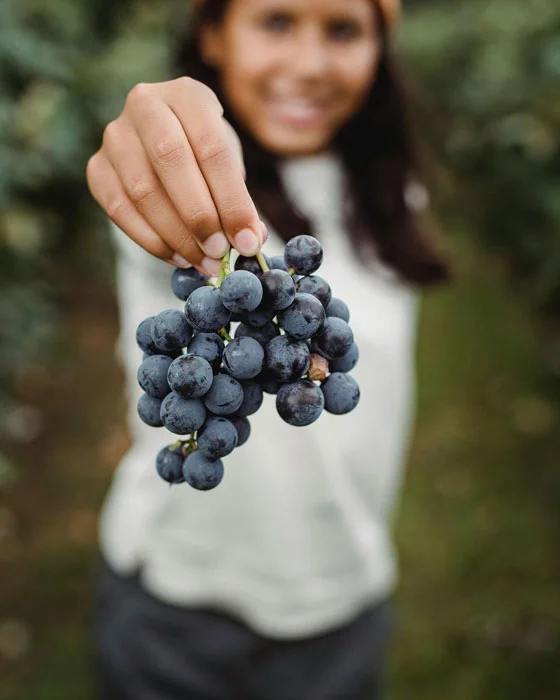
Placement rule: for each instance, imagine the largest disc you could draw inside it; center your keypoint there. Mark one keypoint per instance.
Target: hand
(170, 174)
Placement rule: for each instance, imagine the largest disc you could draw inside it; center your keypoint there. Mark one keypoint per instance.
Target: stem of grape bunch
(262, 262)
(224, 269)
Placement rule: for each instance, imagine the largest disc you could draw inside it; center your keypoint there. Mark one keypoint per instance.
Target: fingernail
(216, 245)
(246, 242)
(264, 232)
(211, 266)
(180, 261)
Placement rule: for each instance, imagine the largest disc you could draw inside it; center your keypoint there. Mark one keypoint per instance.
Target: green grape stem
(224, 269)
(225, 335)
(262, 262)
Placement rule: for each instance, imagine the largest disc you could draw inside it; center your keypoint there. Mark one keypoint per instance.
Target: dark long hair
(376, 147)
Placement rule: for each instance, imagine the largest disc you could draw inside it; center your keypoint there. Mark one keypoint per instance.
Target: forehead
(360, 9)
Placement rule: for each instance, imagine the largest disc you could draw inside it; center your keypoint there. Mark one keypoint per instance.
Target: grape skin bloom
(182, 416)
(202, 473)
(241, 291)
(190, 376)
(243, 358)
(152, 376)
(171, 330)
(225, 396)
(217, 438)
(169, 465)
(341, 392)
(300, 403)
(204, 310)
(303, 254)
(304, 318)
(149, 411)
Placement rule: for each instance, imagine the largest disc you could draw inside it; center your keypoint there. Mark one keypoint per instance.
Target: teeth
(298, 109)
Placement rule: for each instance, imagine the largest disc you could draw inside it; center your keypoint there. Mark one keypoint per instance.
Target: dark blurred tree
(491, 73)
(65, 68)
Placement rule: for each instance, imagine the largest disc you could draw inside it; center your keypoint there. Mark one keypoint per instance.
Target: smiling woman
(294, 107)
(291, 562)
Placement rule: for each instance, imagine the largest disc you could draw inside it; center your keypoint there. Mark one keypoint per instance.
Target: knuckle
(211, 149)
(160, 249)
(139, 93)
(140, 189)
(116, 207)
(168, 152)
(185, 82)
(206, 93)
(237, 214)
(187, 246)
(203, 221)
(110, 132)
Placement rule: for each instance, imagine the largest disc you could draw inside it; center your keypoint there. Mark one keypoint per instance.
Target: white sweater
(296, 539)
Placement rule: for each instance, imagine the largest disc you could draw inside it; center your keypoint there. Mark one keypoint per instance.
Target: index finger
(219, 163)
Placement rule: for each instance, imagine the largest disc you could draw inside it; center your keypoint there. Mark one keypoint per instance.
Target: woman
(275, 585)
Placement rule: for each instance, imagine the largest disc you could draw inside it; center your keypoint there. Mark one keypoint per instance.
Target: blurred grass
(477, 531)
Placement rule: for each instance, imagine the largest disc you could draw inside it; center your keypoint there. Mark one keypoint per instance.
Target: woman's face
(295, 71)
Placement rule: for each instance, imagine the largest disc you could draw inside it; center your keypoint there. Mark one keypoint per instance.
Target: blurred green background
(479, 528)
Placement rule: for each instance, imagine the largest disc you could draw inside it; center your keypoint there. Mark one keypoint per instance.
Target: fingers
(126, 154)
(109, 193)
(170, 174)
(218, 161)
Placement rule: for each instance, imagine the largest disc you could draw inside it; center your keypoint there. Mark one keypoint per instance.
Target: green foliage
(491, 71)
(66, 68)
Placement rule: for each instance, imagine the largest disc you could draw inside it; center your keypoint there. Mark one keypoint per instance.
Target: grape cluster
(291, 339)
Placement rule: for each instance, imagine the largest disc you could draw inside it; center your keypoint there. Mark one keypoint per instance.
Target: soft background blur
(478, 529)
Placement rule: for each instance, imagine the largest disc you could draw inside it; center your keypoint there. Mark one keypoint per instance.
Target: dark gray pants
(148, 650)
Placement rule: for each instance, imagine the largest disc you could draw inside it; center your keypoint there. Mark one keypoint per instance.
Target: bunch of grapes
(292, 339)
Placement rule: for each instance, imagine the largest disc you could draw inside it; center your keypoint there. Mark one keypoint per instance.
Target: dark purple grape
(169, 464)
(217, 438)
(250, 264)
(190, 376)
(258, 318)
(149, 410)
(341, 392)
(204, 310)
(261, 335)
(317, 286)
(225, 396)
(287, 359)
(243, 358)
(182, 416)
(268, 383)
(252, 399)
(184, 282)
(304, 318)
(152, 376)
(144, 338)
(241, 291)
(303, 254)
(335, 340)
(300, 403)
(279, 289)
(243, 428)
(202, 473)
(347, 362)
(339, 309)
(277, 263)
(207, 345)
(171, 330)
